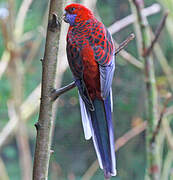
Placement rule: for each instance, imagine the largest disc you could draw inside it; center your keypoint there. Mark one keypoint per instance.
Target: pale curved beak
(64, 16)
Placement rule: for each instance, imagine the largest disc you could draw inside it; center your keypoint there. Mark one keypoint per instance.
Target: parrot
(91, 57)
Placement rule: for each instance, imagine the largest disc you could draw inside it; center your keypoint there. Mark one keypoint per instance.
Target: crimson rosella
(90, 53)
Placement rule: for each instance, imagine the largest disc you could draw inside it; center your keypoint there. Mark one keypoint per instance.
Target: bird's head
(75, 13)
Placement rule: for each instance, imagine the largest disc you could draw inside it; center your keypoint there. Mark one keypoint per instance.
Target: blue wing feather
(106, 77)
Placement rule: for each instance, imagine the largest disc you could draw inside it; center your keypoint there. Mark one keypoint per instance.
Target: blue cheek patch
(71, 18)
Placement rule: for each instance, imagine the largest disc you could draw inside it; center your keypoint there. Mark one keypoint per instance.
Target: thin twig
(120, 142)
(125, 43)
(58, 92)
(161, 118)
(129, 135)
(119, 25)
(130, 58)
(157, 34)
(21, 17)
(11, 125)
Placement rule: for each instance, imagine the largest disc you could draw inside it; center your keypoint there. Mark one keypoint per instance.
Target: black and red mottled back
(93, 35)
(89, 44)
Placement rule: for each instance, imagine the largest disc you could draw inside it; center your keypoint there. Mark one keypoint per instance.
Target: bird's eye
(71, 10)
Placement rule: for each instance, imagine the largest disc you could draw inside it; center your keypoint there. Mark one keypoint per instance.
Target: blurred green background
(73, 155)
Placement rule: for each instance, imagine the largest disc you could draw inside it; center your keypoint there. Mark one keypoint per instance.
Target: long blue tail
(98, 125)
(101, 120)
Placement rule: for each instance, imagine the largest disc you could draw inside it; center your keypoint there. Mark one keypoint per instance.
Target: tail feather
(108, 111)
(102, 124)
(101, 133)
(86, 122)
(88, 129)
(100, 127)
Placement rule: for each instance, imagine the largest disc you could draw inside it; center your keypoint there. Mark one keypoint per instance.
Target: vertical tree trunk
(153, 166)
(45, 122)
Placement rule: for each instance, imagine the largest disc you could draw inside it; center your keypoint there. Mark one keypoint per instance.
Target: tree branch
(12, 123)
(44, 132)
(161, 118)
(120, 24)
(21, 17)
(126, 21)
(130, 58)
(157, 34)
(124, 43)
(56, 93)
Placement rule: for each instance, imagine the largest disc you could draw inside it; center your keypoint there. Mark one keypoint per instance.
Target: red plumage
(82, 12)
(90, 53)
(94, 45)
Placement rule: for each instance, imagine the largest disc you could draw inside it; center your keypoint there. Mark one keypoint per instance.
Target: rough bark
(45, 123)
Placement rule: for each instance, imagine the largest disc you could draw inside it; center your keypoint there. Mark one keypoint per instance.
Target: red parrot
(90, 53)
